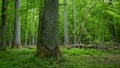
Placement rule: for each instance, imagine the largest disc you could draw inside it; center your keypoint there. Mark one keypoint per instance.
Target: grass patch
(72, 58)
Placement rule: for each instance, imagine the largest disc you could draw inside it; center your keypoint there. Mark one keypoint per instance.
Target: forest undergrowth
(71, 58)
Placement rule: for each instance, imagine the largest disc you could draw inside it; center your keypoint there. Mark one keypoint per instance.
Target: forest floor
(72, 58)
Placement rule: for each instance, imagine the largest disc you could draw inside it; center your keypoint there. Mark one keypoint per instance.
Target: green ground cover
(72, 58)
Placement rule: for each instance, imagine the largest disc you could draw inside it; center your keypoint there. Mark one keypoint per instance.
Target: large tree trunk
(66, 37)
(16, 37)
(47, 43)
(3, 28)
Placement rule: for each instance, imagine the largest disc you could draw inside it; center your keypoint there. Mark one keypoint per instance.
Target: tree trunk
(16, 37)
(26, 23)
(74, 14)
(66, 37)
(3, 28)
(47, 43)
(10, 35)
(112, 30)
(30, 34)
(26, 35)
(82, 28)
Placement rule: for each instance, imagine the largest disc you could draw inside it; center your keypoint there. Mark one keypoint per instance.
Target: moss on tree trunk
(17, 46)
(44, 52)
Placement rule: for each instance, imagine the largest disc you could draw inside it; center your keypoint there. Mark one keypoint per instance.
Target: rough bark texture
(47, 43)
(66, 37)
(16, 37)
(3, 29)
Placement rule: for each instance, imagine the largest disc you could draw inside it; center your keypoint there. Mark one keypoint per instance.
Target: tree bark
(10, 35)
(16, 37)
(74, 14)
(3, 28)
(26, 23)
(82, 28)
(47, 43)
(66, 37)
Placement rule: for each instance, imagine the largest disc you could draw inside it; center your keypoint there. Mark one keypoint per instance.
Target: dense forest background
(90, 21)
(60, 34)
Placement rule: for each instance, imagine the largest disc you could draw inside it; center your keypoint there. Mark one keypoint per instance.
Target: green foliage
(113, 14)
(96, 22)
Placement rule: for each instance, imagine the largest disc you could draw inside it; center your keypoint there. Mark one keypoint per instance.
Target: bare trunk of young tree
(36, 39)
(26, 35)
(10, 35)
(66, 37)
(3, 28)
(103, 31)
(16, 37)
(33, 40)
(30, 34)
(26, 23)
(74, 14)
(47, 43)
(82, 28)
